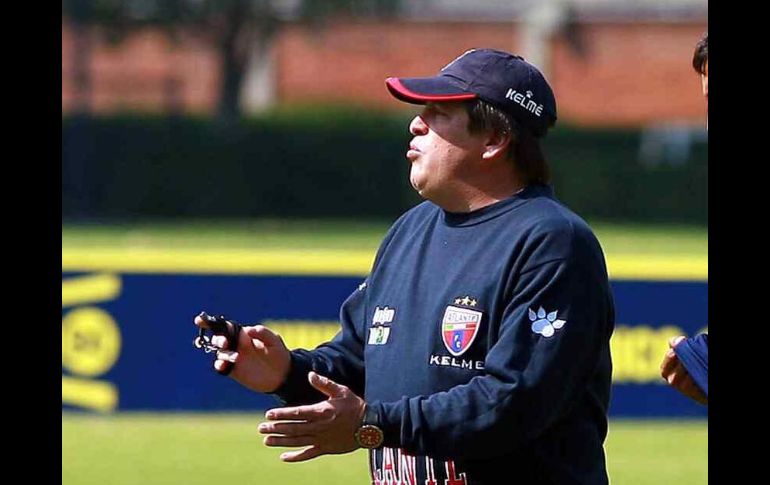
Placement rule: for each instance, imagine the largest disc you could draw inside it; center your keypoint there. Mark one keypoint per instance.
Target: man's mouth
(413, 152)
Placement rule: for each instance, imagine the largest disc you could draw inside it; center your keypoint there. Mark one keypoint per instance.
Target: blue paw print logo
(545, 324)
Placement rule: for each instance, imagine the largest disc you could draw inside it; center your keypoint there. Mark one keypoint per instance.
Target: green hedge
(333, 163)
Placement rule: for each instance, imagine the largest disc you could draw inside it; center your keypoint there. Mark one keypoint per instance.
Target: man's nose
(418, 126)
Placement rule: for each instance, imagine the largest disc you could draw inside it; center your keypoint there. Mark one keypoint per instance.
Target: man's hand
(672, 370)
(324, 428)
(262, 361)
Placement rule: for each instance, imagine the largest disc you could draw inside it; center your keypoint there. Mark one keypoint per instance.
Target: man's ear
(497, 142)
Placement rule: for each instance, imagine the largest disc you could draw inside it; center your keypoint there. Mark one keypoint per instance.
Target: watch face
(369, 436)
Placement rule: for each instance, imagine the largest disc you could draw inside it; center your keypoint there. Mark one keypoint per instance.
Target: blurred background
(244, 157)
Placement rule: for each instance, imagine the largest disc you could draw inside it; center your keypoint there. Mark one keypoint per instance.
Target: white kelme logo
(545, 324)
(525, 101)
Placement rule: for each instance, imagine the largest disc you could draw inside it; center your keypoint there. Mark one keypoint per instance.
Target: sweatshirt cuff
(391, 421)
(296, 389)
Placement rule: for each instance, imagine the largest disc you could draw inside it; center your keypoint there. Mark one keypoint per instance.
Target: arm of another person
(674, 372)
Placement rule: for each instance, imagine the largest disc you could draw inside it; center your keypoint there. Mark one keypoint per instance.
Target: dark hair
(701, 55)
(524, 150)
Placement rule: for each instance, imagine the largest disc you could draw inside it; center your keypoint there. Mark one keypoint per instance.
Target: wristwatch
(369, 435)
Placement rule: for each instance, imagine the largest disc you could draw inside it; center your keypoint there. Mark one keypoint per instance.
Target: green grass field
(202, 449)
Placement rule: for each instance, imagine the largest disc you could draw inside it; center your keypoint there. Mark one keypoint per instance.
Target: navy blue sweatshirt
(481, 340)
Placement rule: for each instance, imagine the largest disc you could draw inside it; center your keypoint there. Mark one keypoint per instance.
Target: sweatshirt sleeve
(693, 352)
(341, 359)
(553, 334)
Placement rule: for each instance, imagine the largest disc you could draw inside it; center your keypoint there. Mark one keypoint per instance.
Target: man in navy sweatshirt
(477, 350)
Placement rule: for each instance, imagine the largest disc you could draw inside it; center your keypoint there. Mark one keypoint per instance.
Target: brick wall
(351, 61)
(143, 73)
(632, 73)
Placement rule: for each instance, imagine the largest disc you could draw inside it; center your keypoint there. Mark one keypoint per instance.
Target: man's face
(704, 82)
(442, 151)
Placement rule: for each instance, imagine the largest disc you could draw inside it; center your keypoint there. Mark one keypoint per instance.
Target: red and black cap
(504, 80)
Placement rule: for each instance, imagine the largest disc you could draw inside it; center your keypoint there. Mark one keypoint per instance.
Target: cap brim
(420, 90)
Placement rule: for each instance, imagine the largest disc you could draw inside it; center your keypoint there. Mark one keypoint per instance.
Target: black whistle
(217, 325)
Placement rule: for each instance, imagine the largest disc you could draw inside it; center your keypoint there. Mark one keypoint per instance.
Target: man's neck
(469, 198)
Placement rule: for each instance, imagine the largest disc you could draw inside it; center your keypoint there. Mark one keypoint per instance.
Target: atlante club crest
(459, 328)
